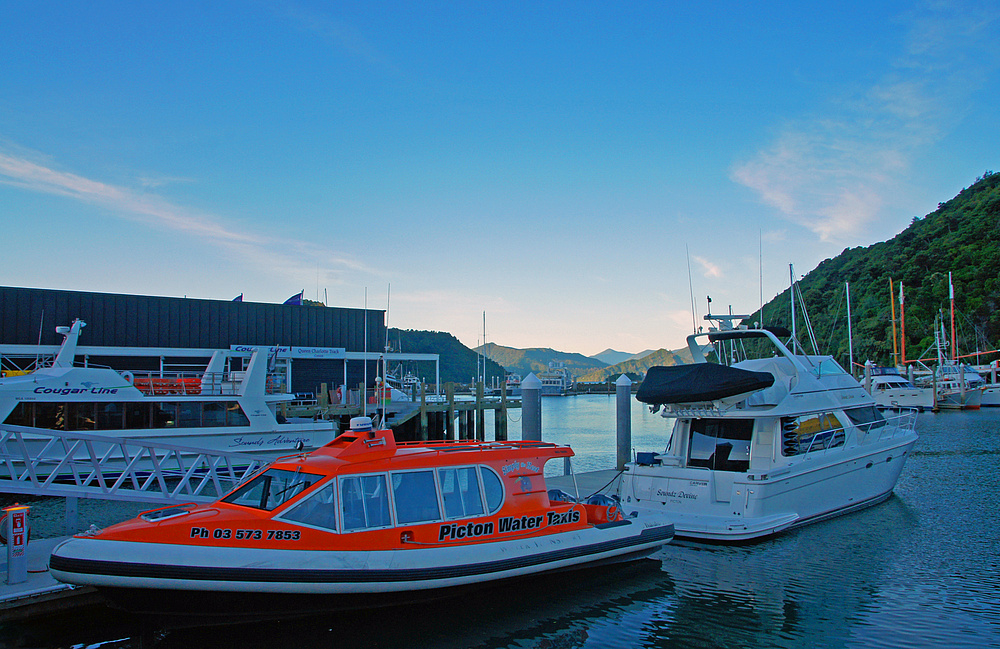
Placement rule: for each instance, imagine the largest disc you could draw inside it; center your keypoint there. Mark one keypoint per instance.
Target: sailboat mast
(902, 323)
(951, 298)
(850, 337)
(791, 292)
(892, 309)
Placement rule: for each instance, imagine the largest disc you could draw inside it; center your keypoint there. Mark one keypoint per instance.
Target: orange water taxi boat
(362, 521)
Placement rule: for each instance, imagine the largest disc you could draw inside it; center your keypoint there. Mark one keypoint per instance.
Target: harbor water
(919, 570)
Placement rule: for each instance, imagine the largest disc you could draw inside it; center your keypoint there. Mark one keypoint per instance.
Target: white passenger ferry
(217, 409)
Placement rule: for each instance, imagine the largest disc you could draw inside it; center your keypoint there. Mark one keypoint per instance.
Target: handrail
(895, 425)
(72, 463)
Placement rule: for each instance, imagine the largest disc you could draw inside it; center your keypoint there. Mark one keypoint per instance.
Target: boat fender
(128, 377)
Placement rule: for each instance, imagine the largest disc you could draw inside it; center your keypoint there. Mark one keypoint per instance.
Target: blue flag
(238, 298)
(295, 299)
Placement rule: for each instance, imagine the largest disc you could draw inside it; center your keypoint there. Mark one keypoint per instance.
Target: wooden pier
(425, 417)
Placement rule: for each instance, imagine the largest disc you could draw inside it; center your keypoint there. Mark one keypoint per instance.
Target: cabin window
(317, 510)
(81, 416)
(364, 502)
(214, 414)
(810, 432)
(235, 415)
(272, 488)
(866, 417)
(189, 415)
(720, 444)
(460, 492)
(493, 488)
(110, 416)
(164, 415)
(136, 415)
(415, 495)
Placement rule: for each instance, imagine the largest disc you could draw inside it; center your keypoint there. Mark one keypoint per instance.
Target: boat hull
(761, 505)
(161, 577)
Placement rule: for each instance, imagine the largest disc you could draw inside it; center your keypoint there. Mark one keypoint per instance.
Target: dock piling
(531, 408)
(623, 419)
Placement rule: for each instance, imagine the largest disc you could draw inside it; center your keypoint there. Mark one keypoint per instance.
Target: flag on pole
(238, 298)
(295, 299)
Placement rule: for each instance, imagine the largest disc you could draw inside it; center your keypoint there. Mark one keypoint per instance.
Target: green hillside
(962, 237)
(458, 362)
(537, 359)
(638, 367)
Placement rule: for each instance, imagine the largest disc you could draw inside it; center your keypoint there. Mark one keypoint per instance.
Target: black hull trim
(272, 575)
(195, 608)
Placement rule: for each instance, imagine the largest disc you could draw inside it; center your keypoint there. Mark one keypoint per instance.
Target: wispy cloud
(711, 270)
(290, 257)
(832, 173)
(337, 33)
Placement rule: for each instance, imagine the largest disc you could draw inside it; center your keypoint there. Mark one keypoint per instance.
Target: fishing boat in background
(220, 408)
(760, 445)
(363, 521)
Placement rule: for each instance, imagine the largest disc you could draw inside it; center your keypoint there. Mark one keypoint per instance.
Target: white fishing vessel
(759, 446)
(217, 409)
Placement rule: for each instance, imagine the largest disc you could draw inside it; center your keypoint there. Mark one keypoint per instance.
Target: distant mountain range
(537, 359)
(613, 357)
(583, 368)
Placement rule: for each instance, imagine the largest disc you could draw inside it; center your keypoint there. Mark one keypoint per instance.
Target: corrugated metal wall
(148, 321)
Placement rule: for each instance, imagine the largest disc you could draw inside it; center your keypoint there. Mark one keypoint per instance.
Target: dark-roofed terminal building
(316, 344)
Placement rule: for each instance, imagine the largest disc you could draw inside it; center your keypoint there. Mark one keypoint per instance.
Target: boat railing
(159, 383)
(868, 432)
(47, 462)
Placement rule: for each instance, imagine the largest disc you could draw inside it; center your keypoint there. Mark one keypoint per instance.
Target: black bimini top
(699, 382)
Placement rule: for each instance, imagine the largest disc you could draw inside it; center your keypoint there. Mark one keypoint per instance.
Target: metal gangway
(77, 464)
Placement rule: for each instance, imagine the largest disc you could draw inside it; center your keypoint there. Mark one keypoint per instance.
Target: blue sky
(556, 165)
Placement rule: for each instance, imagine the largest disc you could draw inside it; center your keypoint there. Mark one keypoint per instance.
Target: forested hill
(458, 362)
(537, 359)
(962, 237)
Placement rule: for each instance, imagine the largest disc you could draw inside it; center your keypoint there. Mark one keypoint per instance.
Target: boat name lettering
(66, 391)
(515, 465)
(280, 440)
(564, 518)
(469, 530)
(515, 524)
(676, 494)
(255, 535)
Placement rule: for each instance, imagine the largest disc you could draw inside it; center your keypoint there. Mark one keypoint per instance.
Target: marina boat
(959, 387)
(762, 445)
(363, 521)
(218, 409)
(556, 381)
(890, 389)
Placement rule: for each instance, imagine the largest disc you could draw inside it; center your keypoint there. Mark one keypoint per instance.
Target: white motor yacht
(759, 446)
(214, 409)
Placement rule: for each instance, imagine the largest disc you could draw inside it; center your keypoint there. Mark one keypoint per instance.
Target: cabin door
(722, 482)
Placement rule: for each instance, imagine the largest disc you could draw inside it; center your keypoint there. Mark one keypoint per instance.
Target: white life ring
(128, 377)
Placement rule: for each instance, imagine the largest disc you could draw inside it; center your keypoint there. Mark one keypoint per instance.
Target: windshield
(272, 488)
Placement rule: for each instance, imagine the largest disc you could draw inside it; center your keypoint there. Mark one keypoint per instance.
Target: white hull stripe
(649, 536)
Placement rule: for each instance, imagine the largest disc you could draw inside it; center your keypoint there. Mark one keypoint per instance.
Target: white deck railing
(77, 464)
